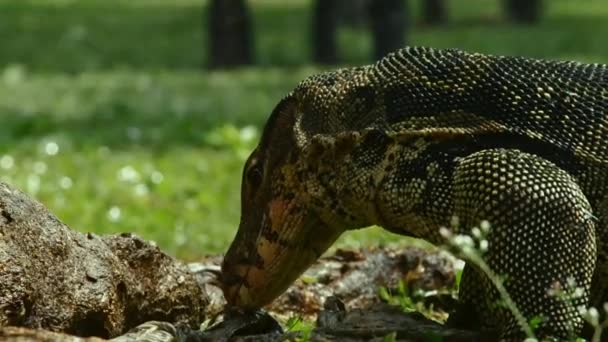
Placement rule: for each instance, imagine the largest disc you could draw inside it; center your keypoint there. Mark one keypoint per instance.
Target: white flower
(445, 233)
(476, 232)
(114, 214)
(485, 226)
(51, 148)
(483, 245)
(156, 177)
(65, 182)
(7, 162)
(128, 174)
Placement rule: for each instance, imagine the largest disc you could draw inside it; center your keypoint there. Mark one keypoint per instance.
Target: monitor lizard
(418, 138)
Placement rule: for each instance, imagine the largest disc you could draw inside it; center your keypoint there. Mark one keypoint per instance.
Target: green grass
(109, 119)
(148, 144)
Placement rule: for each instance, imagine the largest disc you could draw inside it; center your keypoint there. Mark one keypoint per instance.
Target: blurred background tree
(434, 12)
(387, 18)
(523, 11)
(324, 31)
(230, 34)
(389, 24)
(108, 118)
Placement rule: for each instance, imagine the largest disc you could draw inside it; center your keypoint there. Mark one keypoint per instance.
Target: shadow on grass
(123, 109)
(96, 35)
(116, 131)
(120, 126)
(142, 37)
(557, 37)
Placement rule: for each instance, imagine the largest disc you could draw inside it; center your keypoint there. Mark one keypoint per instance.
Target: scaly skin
(418, 138)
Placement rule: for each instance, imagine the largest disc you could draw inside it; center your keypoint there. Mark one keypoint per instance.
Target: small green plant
(591, 315)
(458, 278)
(237, 140)
(535, 322)
(401, 298)
(411, 300)
(471, 249)
(297, 324)
(392, 337)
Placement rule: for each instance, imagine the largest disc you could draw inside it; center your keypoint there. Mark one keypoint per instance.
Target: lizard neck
(375, 179)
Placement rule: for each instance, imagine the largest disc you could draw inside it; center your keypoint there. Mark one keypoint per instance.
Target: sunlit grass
(108, 117)
(184, 198)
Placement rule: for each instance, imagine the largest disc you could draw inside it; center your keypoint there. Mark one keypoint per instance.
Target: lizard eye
(254, 176)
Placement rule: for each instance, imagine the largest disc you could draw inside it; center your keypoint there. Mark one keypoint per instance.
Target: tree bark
(230, 34)
(389, 24)
(83, 284)
(434, 12)
(324, 29)
(353, 13)
(523, 11)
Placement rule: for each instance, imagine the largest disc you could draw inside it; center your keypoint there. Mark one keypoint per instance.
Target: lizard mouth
(257, 270)
(247, 286)
(231, 285)
(234, 284)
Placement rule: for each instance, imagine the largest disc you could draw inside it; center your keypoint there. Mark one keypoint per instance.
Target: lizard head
(279, 235)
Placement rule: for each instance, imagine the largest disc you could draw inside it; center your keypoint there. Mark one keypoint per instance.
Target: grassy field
(108, 118)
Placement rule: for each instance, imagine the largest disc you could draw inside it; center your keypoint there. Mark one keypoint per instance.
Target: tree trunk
(434, 12)
(353, 13)
(389, 23)
(324, 27)
(523, 11)
(230, 34)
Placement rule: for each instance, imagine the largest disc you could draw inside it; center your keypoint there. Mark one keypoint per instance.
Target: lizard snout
(231, 284)
(248, 288)
(234, 283)
(245, 285)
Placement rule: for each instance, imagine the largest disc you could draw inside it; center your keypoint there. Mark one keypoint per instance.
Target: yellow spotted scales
(423, 136)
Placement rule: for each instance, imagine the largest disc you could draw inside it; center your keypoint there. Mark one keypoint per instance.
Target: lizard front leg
(542, 237)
